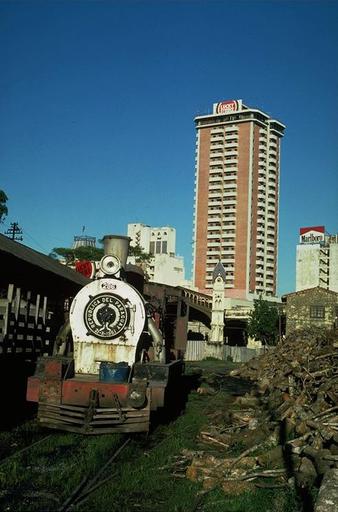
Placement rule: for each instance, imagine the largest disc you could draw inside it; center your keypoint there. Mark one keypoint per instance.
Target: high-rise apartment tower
(236, 199)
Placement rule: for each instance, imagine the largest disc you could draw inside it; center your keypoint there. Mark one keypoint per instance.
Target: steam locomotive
(117, 372)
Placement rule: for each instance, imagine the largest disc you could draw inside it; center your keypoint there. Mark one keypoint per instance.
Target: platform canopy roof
(26, 267)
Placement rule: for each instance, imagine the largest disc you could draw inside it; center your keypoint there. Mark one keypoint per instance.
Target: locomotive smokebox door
(107, 318)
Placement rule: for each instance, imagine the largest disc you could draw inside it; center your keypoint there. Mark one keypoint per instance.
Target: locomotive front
(117, 373)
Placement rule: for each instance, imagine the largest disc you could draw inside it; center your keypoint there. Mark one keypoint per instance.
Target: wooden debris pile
(232, 448)
(298, 384)
(284, 432)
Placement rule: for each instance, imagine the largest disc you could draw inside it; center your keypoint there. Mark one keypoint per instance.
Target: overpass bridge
(189, 305)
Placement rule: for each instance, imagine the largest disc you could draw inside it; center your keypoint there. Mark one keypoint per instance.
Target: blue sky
(97, 101)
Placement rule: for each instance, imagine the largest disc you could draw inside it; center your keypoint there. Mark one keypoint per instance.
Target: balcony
(231, 145)
(232, 153)
(231, 186)
(216, 154)
(217, 130)
(216, 164)
(215, 195)
(213, 212)
(219, 147)
(232, 137)
(230, 161)
(214, 236)
(218, 138)
(212, 253)
(215, 168)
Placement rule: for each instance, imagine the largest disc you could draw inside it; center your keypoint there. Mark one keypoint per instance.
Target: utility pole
(14, 231)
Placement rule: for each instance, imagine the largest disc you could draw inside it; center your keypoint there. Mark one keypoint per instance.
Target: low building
(313, 307)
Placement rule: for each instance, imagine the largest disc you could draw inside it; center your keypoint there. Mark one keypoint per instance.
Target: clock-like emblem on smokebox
(106, 316)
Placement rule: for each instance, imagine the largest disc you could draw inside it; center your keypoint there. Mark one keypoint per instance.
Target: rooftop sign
(226, 107)
(312, 235)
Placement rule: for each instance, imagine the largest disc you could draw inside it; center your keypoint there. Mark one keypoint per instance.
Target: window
(152, 248)
(164, 247)
(158, 247)
(317, 312)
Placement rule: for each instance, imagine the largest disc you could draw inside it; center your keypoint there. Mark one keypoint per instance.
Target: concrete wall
(334, 267)
(307, 266)
(168, 269)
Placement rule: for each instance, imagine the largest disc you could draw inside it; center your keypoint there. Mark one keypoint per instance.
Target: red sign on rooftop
(225, 107)
(312, 235)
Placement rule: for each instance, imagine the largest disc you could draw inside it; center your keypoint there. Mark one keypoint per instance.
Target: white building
(164, 267)
(317, 259)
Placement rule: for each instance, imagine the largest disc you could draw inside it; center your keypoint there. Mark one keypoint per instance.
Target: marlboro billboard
(312, 235)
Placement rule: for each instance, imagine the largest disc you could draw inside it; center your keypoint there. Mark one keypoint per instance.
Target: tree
(3, 207)
(80, 253)
(139, 254)
(88, 253)
(263, 322)
(63, 252)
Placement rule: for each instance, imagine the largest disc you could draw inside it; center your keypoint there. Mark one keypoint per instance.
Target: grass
(42, 478)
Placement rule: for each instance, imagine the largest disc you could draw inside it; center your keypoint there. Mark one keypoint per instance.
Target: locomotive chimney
(116, 245)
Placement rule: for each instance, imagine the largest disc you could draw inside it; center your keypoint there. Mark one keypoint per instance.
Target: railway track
(31, 492)
(17, 453)
(88, 485)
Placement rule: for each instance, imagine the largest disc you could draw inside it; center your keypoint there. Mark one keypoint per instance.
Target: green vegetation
(140, 255)
(93, 253)
(263, 322)
(42, 478)
(81, 253)
(3, 207)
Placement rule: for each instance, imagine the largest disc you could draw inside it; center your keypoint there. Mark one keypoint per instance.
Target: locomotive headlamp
(137, 396)
(110, 264)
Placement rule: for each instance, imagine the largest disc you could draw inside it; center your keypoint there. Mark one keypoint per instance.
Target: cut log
(328, 493)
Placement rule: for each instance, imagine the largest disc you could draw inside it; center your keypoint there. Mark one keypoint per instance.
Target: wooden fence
(26, 324)
(195, 351)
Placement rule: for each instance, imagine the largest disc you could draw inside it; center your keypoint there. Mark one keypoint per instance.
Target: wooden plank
(17, 303)
(127, 421)
(131, 414)
(47, 410)
(68, 407)
(113, 409)
(61, 419)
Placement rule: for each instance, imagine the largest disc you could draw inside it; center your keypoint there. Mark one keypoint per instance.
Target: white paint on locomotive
(107, 318)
